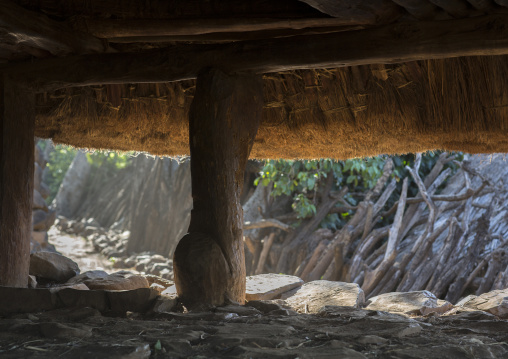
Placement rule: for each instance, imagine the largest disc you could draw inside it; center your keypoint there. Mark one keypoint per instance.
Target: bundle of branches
(451, 244)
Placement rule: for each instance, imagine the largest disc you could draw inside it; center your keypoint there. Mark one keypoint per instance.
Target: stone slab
(494, 302)
(313, 296)
(270, 286)
(420, 302)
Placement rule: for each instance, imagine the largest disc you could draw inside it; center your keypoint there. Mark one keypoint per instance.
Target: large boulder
(270, 286)
(420, 302)
(42, 221)
(52, 266)
(68, 198)
(313, 296)
(122, 280)
(39, 202)
(495, 302)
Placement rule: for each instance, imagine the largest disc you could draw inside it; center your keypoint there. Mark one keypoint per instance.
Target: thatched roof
(458, 103)
(452, 104)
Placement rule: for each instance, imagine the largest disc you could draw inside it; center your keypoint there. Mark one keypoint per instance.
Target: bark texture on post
(17, 123)
(209, 262)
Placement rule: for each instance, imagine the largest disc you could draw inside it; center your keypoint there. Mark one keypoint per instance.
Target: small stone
(270, 286)
(61, 331)
(89, 230)
(40, 237)
(77, 227)
(165, 303)
(371, 339)
(313, 296)
(32, 282)
(411, 329)
(169, 290)
(264, 306)
(238, 309)
(52, 266)
(157, 258)
(159, 288)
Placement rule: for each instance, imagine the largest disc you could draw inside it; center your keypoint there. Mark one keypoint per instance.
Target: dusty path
(80, 250)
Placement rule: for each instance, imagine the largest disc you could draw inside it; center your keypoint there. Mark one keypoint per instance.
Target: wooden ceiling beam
(155, 28)
(396, 43)
(22, 27)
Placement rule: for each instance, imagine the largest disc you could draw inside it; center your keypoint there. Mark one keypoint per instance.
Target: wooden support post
(209, 262)
(17, 124)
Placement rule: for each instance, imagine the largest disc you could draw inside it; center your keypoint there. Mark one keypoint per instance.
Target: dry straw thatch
(452, 104)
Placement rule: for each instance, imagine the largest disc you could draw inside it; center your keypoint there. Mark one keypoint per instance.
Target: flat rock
(52, 266)
(409, 303)
(313, 296)
(494, 302)
(25, 300)
(122, 280)
(270, 286)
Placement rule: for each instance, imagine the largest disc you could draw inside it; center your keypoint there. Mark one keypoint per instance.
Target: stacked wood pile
(452, 243)
(42, 217)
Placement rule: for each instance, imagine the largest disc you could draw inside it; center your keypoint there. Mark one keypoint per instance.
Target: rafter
(30, 29)
(394, 43)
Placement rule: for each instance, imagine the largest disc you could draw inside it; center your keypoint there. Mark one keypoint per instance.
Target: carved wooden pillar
(17, 123)
(209, 263)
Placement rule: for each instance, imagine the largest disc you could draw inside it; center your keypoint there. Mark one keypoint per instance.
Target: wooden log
(374, 11)
(266, 223)
(209, 263)
(106, 28)
(423, 10)
(313, 260)
(36, 30)
(396, 43)
(17, 125)
(267, 244)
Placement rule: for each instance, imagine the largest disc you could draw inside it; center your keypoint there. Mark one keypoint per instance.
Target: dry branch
(267, 223)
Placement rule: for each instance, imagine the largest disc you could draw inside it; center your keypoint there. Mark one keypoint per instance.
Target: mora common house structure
(223, 80)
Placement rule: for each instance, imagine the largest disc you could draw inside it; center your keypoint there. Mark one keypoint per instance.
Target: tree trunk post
(209, 262)
(17, 124)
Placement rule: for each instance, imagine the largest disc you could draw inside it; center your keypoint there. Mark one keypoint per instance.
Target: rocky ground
(245, 332)
(132, 314)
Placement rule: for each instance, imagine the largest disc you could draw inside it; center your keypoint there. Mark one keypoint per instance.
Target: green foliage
(303, 179)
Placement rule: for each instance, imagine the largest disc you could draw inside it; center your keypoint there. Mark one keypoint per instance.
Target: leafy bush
(302, 180)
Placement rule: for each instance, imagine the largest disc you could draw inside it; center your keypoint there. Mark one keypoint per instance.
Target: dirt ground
(337, 332)
(80, 250)
(244, 331)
